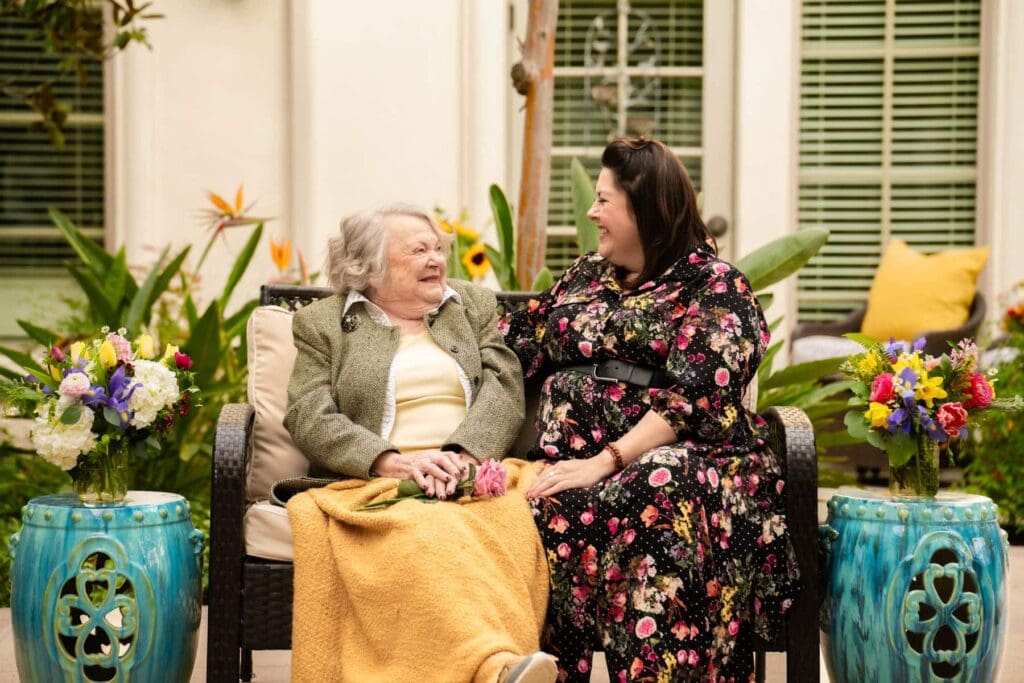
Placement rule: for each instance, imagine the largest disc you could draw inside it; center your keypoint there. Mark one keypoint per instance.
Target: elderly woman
(660, 506)
(403, 375)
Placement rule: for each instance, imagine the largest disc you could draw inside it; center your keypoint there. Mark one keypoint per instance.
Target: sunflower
(475, 261)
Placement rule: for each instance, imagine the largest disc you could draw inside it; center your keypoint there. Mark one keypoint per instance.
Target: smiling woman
(403, 375)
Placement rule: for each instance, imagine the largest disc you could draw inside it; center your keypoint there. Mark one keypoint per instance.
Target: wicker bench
(250, 598)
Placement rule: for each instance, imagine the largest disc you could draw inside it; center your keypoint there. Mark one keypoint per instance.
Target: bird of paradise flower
(225, 215)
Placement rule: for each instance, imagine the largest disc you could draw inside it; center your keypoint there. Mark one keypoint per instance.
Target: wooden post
(533, 76)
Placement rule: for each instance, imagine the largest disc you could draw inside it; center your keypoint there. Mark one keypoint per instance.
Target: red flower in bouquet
(981, 392)
(952, 417)
(882, 388)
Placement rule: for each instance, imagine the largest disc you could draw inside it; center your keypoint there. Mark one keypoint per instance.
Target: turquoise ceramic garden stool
(915, 588)
(106, 593)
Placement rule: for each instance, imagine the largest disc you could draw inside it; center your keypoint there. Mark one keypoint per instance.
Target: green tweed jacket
(337, 391)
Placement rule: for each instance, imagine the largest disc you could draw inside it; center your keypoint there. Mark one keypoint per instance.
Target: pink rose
(646, 627)
(613, 525)
(491, 479)
(981, 392)
(952, 417)
(576, 442)
(734, 627)
(587, 516)
(660, 477)
(182, 360)
(563, 550)
(719, 288)
(628, 535)
(721, 377)
(562, 324)
(881, 388)
(582, 666)
(586, 349)
(659, 347)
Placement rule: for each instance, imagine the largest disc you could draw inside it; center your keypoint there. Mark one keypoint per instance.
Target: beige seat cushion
(271, 358)
(268, 534)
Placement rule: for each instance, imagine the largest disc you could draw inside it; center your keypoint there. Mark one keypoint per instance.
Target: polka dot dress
(671, 565)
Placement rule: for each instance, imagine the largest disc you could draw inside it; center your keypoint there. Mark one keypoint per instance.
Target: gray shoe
(536, 668)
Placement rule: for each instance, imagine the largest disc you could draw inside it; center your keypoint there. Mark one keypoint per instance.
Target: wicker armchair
(250, 606)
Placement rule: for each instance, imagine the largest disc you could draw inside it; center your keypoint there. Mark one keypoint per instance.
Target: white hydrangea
(60, 443)
(156, 388)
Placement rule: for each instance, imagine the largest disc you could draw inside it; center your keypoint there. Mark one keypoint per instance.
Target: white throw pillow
(271, 358)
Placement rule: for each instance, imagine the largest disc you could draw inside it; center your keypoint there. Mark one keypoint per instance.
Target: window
(888, 137)
(34, 175)
(624, 67)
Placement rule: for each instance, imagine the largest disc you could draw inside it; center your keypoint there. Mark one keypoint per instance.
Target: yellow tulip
(55, 372)
(77, 350)
(144, 347)
(169, 352)
(108, 355)
(878, 414)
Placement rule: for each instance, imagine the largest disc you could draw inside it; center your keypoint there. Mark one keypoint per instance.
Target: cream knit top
(430, 402)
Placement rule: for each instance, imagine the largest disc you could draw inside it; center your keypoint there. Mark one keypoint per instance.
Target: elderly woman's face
(416, 264)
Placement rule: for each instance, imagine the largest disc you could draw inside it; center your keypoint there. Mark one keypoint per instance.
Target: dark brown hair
(662, 200)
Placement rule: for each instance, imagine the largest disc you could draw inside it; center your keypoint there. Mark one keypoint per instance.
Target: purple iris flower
(932, 427)
(919, 344)
(899, 420)
(893, 348)
(121, 390)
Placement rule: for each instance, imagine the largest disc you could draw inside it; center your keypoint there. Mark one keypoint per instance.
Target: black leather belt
(622, 371)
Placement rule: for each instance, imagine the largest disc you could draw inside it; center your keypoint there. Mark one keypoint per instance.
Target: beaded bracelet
(617, 455)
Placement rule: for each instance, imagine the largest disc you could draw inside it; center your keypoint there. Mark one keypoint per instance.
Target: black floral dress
(669, 565)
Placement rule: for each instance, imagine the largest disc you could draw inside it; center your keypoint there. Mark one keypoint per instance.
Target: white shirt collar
(379, 316)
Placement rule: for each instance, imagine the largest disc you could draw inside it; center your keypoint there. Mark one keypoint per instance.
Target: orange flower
(225, 215)
(281, 253)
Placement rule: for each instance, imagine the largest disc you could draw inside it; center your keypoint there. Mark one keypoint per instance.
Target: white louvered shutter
(888, 137)
(622, 68)
(34, 175)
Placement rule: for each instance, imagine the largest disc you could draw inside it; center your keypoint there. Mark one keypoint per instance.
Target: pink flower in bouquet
(491, 479)
(122, 347)
(981, 392)
(182, 360)
(881, 388)
(952, 417)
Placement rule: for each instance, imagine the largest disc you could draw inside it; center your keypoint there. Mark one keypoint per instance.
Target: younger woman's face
(619, 238)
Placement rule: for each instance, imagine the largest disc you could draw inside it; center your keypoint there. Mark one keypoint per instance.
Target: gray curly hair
(357, 255)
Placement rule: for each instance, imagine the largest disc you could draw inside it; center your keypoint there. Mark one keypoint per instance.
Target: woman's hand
(436, 472)
(573, 474)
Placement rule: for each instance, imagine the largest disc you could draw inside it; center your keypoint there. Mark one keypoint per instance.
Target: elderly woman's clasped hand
(437, 472)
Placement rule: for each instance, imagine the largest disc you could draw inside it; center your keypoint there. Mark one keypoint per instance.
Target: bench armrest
(227, 546)
(792, 436)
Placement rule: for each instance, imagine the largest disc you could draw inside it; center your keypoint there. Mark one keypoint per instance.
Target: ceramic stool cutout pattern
(106, 593)
(915, 588)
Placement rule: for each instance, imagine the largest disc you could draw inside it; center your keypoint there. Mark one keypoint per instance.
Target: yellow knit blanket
(417, 592)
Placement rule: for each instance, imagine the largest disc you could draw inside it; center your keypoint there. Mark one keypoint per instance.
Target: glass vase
(919, 476)
(101, 477)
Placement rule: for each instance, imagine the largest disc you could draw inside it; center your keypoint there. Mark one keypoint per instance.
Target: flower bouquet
(487, 480)
(911, 405)
(103, 399)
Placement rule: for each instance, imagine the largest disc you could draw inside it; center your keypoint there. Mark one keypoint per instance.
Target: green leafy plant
(112, 295)
(993, 464)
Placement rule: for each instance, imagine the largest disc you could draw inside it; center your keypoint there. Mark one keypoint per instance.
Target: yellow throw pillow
(913, 293)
